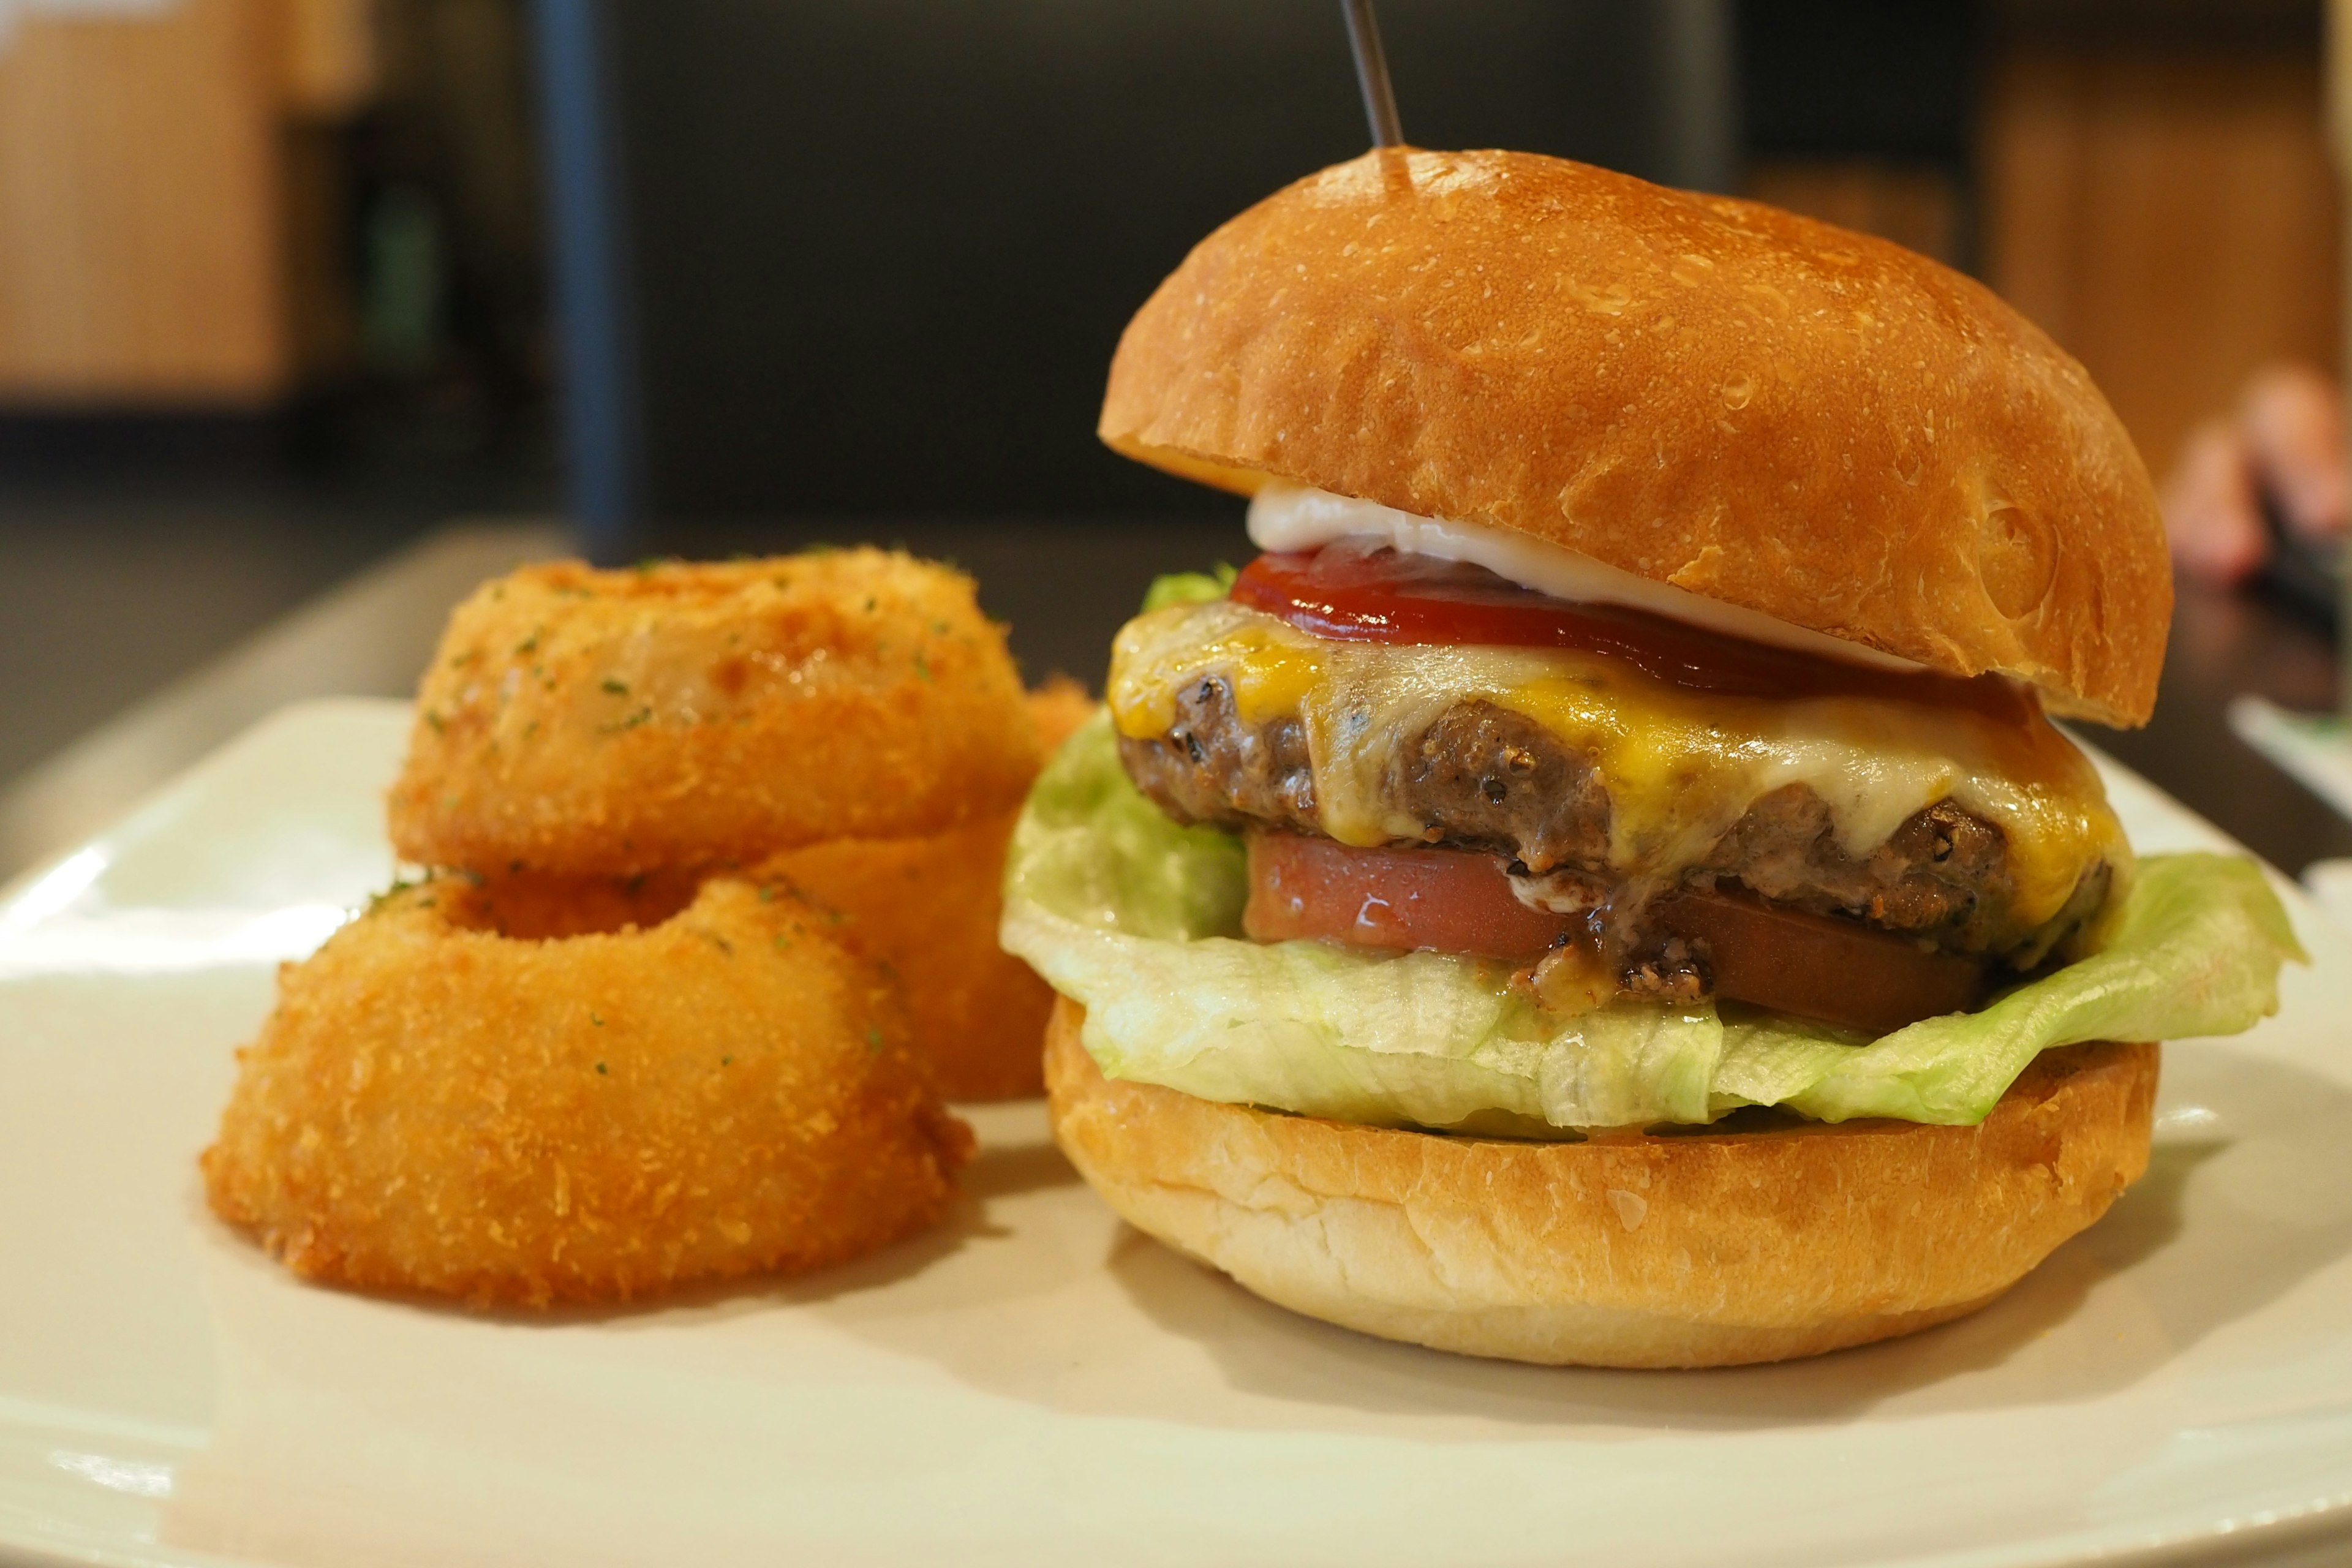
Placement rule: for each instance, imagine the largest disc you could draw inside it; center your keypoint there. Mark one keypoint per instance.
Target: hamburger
(1603, 885)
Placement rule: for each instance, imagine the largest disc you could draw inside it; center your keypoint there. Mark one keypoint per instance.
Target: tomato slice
(1448, 900)
(1817, 967)
(1459, 900)
(1356, 590)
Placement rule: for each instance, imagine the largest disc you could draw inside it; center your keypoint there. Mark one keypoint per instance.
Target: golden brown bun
(1701, 1249)
(1756, 406)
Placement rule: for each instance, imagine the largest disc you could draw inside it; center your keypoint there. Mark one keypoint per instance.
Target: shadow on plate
(2249, 1191)
(1270, 1351)
(1033, 1290)
(994, 1175)
(337, 1411)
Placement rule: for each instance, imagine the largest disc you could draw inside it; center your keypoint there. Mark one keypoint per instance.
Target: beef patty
(1481, 776)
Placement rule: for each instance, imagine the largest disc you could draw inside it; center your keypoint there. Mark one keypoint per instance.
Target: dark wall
(1885, 92)
(1894, 81)
(880, 250)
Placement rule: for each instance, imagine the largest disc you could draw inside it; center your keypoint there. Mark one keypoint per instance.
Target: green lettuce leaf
(1140, 920)
(1189, 587)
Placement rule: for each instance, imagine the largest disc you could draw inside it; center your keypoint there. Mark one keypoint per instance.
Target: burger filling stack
(1605, 885)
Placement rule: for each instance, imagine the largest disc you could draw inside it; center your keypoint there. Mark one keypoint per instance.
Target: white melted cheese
(1680, 767)
(1284, 517)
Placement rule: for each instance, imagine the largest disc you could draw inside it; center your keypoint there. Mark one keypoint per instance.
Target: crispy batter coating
(927, 910)
(1058, 708)
(436, 1107)
(537, 906)
(595, 722)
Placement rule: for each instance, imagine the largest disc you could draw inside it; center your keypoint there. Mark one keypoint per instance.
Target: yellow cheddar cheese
(1680, 767)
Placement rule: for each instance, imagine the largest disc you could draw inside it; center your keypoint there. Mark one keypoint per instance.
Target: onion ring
(926, 909)
(529, 1119)
(1058, 708)
(606, 723)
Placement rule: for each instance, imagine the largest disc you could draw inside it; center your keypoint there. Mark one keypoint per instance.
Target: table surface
(1063, 585)
(2222, 645)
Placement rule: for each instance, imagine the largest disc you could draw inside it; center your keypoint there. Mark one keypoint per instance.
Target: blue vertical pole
(589, 260)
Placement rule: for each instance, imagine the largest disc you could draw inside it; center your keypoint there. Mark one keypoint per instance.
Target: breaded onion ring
(595, 722)
(439, 1108)
(1058, 708)
(927, 909)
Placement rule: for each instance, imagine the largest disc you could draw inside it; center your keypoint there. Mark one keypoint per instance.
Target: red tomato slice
(1816, 967)
(1459, 900)
(1449, 900)
(1361, 591)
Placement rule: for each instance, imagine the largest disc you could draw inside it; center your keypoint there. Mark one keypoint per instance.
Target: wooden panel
(141, 226)
(329, 56)
(2170, 218)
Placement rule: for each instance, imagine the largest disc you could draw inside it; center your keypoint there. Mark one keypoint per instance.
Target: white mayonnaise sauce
(1295, 517)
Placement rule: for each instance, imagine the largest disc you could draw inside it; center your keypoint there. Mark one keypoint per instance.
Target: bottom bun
(1696, 1249)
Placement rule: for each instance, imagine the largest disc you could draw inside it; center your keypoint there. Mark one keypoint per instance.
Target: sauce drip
(1363, 591)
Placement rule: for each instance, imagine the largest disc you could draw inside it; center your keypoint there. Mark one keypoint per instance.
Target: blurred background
(290, 287)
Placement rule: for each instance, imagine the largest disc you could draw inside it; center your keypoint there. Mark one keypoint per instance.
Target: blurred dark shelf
(2222, 645)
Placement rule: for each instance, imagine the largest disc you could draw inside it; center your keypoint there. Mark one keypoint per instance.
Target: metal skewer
(1372, 74)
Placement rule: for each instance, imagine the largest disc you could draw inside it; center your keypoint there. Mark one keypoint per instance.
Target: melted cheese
(1680, 767)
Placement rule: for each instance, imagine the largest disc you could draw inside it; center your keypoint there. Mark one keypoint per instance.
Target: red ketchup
(1356, 590)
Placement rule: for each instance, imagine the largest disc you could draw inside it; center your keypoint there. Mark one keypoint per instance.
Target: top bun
(1710, 392)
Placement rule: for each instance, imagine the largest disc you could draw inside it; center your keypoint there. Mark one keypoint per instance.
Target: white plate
(1032, 1383)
